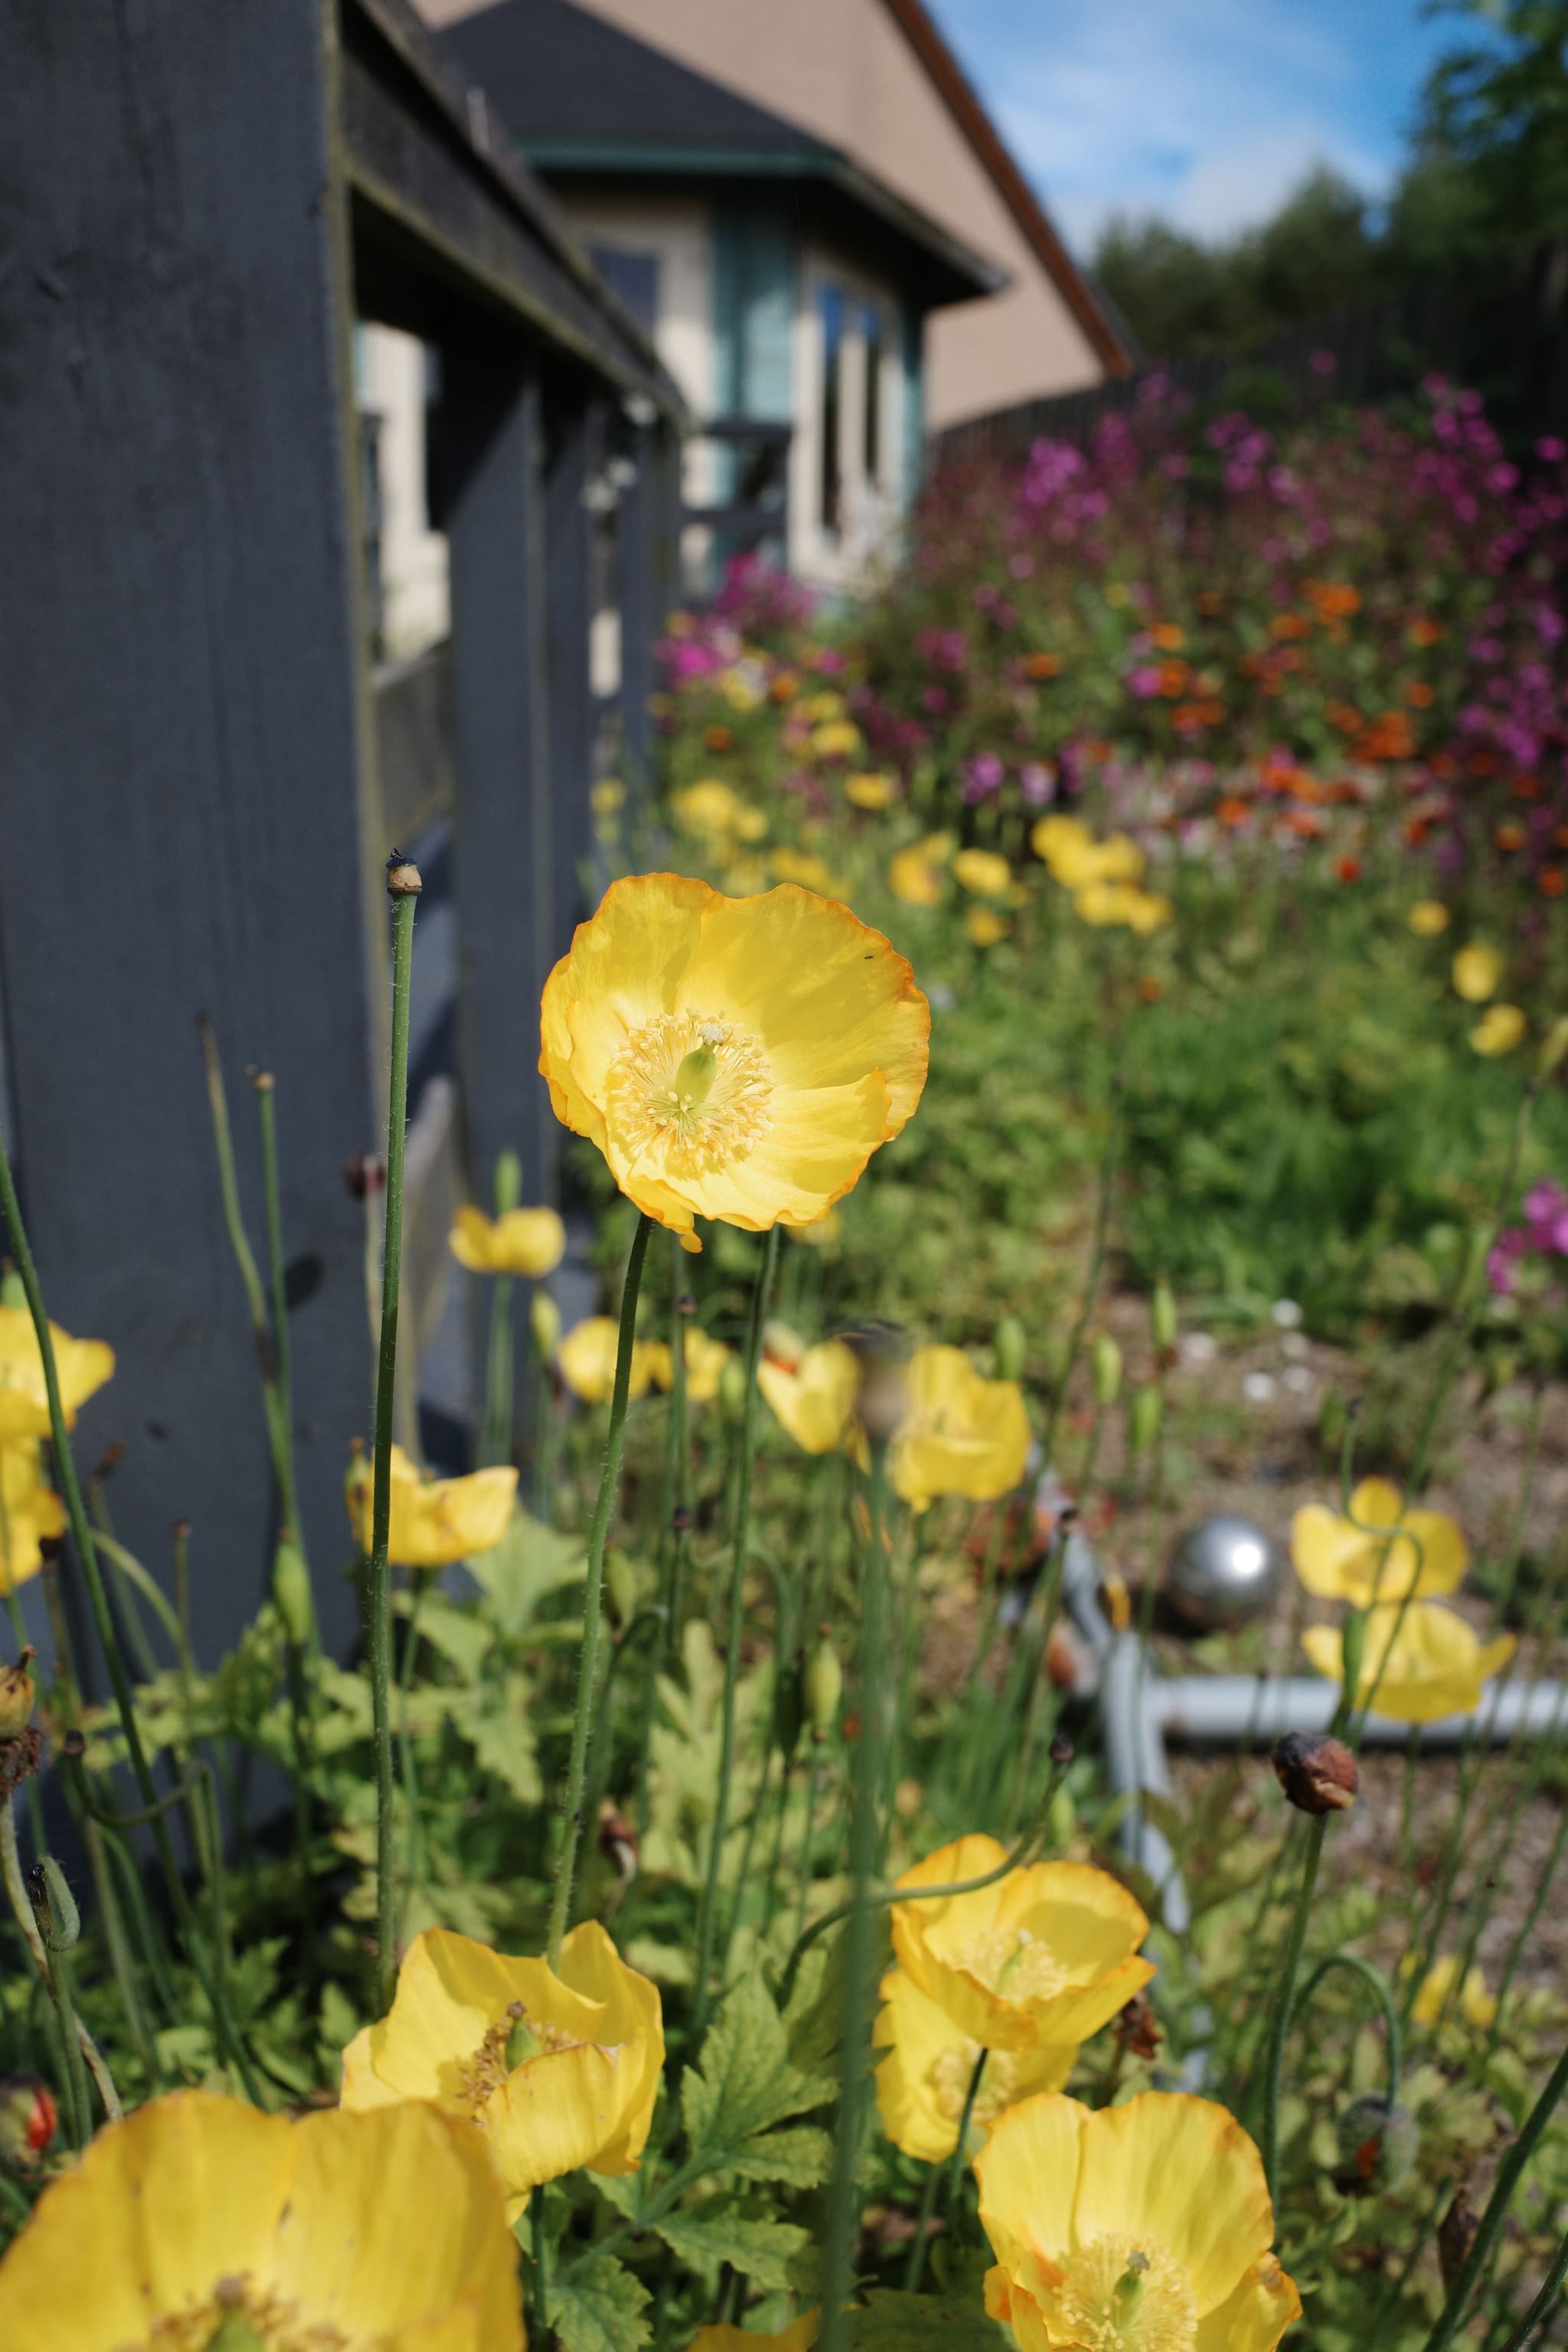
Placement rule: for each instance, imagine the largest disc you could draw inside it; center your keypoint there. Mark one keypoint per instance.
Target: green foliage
(599, 2307)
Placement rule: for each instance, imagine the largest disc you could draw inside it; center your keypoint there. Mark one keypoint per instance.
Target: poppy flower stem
(1509, 2172)
(953, 2172)
(282, 1359)
(1545, 2303)
(231, 2049)
(593, 1598)
(1285, 2001)
(708, 1918)
(378, 1593)
(495, 1441)
(836, 2277)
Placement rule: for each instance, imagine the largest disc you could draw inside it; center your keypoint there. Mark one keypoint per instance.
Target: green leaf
(503, 1743)
(924, 2323)
(745, 2080)
(531, 1563)
(801, 2157)
(463, 1638)
(766, 2254)
(599, 2308)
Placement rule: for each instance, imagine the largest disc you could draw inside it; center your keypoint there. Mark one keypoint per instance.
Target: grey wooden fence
(194, 816)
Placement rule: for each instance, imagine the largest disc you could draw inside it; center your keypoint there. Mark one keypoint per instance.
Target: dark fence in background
(1502, 329)
(204, 772)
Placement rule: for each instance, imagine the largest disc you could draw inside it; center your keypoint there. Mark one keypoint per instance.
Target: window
(830, 312)
(871, 378)
(633, 277)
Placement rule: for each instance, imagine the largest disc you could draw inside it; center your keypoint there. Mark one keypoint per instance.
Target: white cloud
(1205, 111)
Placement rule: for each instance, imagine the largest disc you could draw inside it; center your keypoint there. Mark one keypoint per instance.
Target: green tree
(1491, 159)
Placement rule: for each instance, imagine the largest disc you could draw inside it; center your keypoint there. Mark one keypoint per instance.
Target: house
(808, 208)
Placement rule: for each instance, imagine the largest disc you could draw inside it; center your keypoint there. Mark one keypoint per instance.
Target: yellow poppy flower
(1500, 1028)
(1038, 1960)
(434, 1521)
(1338, 1560)
(868, 790)
(743, 877)
(1053, 833)
(826, 706)
(1145, 2225)
(1076, 859)
(836, 739)
(798, 2337)
(1428, 918)
(81, 1367)
(737, 1059)
(915, 877)
(1435, 1665)
(923, 2082)
(815, 1401)
(371, 2233)
(529, 1242)
(705, 808)
(1104, 904)
(750, 823)
(984, 872)
(31, 1513)
(985, 926)
(705, 1360)
(804, 866)
(960, 1434)
(1476, 2005)
(558, 2070)
(588, 1360)
(608, 795)
(1476, 972)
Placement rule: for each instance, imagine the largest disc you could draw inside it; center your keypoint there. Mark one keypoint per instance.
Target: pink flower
(1037, 782)
(1144, 681)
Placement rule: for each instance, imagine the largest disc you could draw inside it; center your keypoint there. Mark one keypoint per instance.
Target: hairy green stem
(1509, 2172)
(708, 1918)
(210, 1978)
(1545, 2303)
(1284, 2002)
(593, 1599)
(378, 1572)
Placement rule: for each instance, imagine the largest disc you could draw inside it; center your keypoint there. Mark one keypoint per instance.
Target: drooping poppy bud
(1143, 1418)
(17, 1693)
(29, 2122)
(1163, 1315)
(292, 1593)
(544, 1323)
(1316, 1773)
(54, 1906)
(1009, 1345)
(1105, 1367)
(1378, 2146)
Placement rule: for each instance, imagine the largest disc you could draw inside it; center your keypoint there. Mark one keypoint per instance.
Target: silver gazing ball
(1223, 1573)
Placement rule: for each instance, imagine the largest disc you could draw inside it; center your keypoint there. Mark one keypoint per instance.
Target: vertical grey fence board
(177, 666)
(576, 449)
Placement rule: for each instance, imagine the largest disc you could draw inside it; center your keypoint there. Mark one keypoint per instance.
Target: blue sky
(1204, 111)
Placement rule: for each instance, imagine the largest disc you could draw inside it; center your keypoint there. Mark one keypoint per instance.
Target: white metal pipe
(1227, 1709)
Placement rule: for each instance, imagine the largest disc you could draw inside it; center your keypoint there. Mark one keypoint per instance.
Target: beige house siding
(843, 69)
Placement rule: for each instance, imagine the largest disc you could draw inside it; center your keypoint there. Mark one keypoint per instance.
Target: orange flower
(1348, 869)
(1332, 599)
(1302, 821)
(1232, 811)
(1211, 712)
(1150, 989)
(718, 738)
(1169, 638)
(1210, 600)
(1424, 632)
(1418, 694)
(1173, 679)
(1552, 882)
(1284, 625)
(1345, 717)
(1388, 738)
(1510, 836)
(1527, 787)
(1042, 665)
(783, 686)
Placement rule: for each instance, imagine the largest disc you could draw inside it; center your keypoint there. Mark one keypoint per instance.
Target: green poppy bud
(13, 1289)
(292, 1593)
(824, 1687)
(1008, 1344)
(1163, 1315)
(1378, 2145)
(1143, 1417)
(1105, 1365)
(29, 2122)
(17, 1693)
(54, 1906)
(622, 1584)
(733, 1389)
(544, 1322)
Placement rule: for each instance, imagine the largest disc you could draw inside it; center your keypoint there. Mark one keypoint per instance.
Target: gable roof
(1103, 329)
(584, 97)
